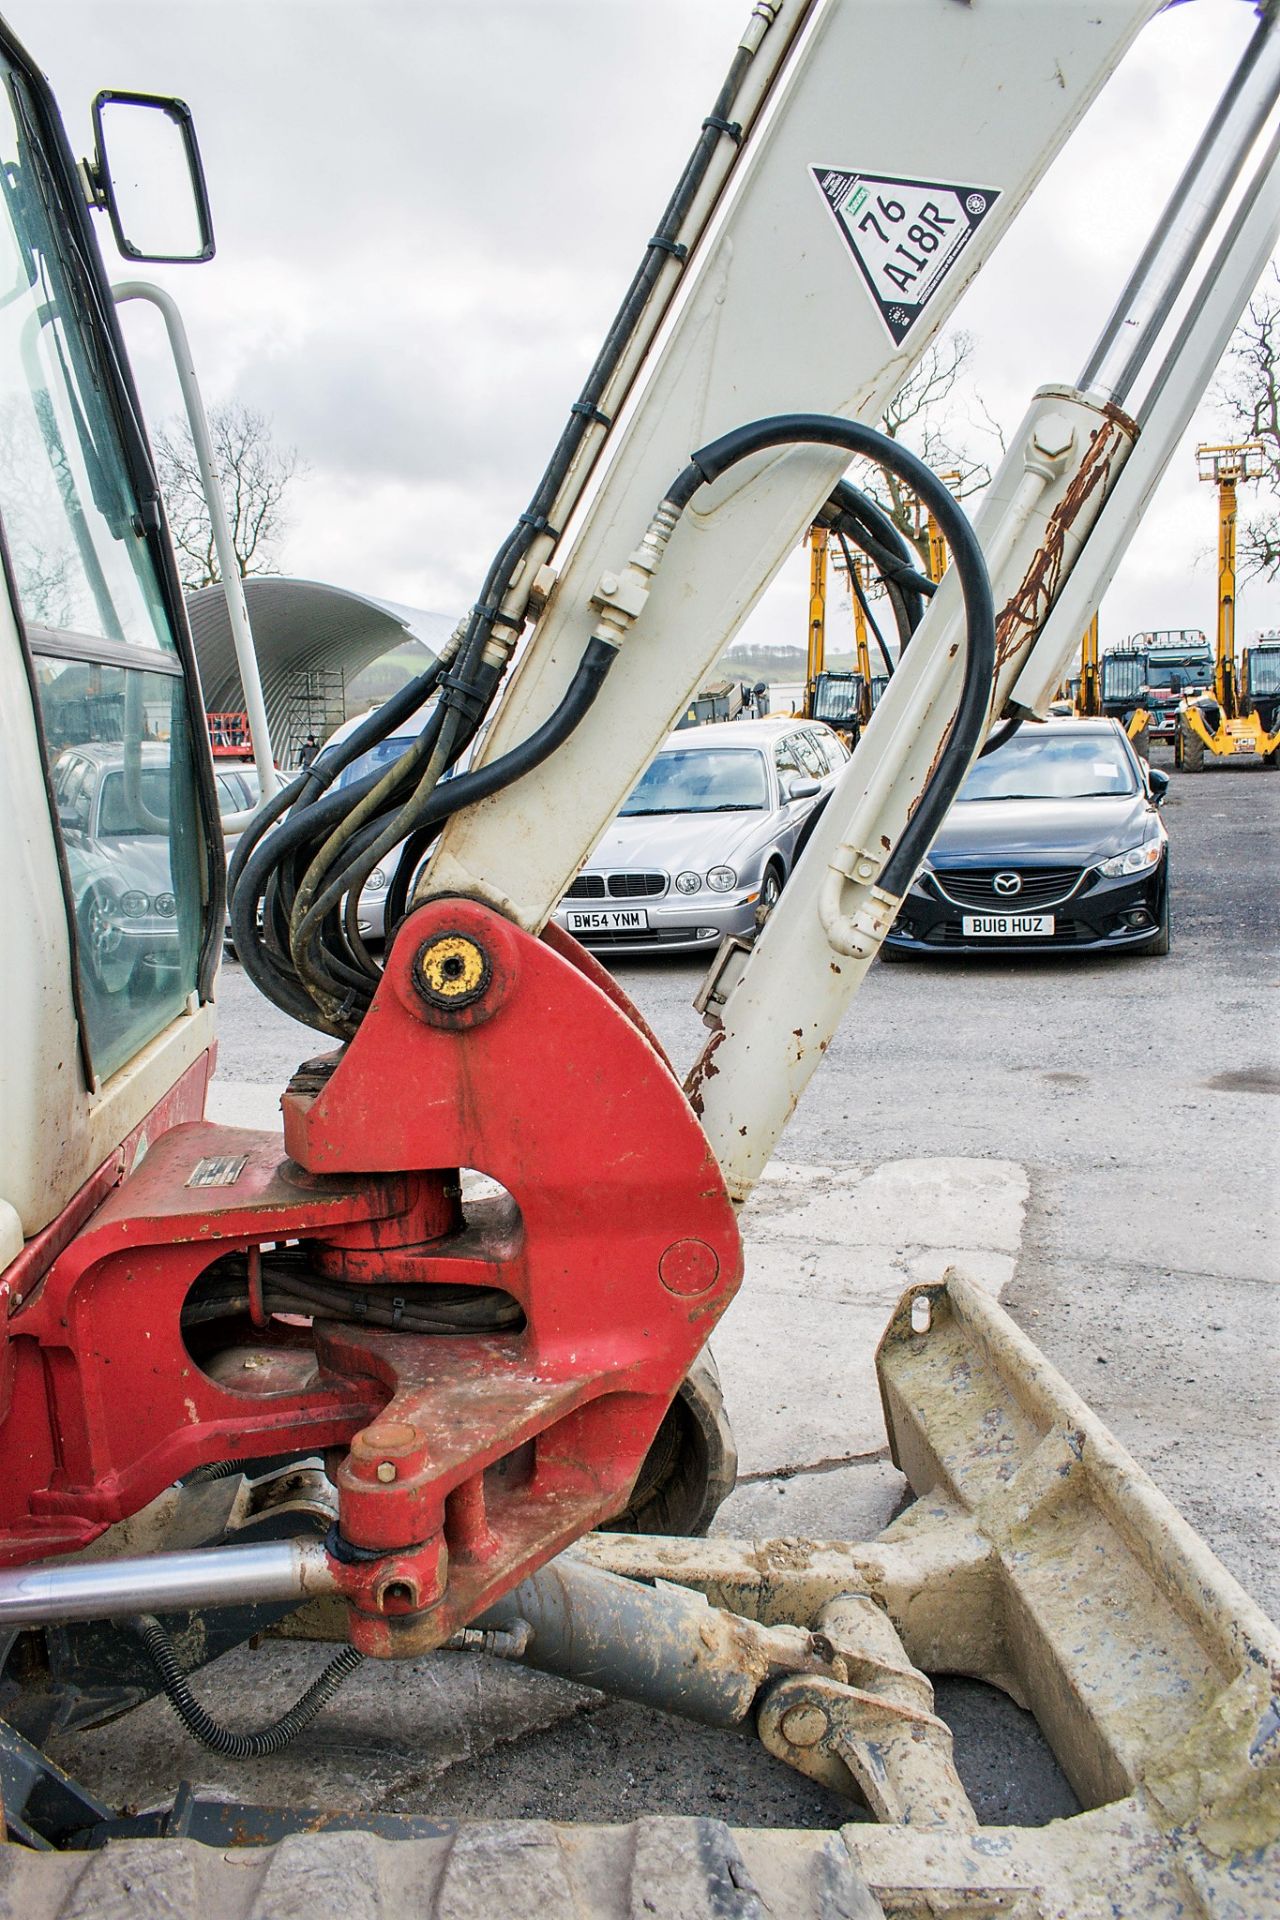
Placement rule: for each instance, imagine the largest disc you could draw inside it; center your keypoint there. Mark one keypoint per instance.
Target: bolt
(1053, 435)
(386, 1471)
(609, 584)
(803, 1726)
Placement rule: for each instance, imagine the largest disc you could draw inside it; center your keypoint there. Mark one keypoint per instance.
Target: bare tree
(254, 474)
(1248, 394)
(926, 415)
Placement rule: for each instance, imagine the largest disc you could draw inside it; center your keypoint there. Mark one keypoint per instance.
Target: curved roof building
(310, 639)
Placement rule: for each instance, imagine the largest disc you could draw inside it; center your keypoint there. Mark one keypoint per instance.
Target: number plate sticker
(1007, 926)
(607, 919)
(906, 235)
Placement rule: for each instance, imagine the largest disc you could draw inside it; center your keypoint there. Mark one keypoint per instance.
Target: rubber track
(695, 1868)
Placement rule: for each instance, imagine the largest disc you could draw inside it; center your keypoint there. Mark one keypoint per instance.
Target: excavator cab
(106, 775)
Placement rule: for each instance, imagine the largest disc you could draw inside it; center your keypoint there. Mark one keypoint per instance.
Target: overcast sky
(426, 214)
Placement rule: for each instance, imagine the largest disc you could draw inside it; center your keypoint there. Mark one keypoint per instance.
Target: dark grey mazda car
(1054, 844)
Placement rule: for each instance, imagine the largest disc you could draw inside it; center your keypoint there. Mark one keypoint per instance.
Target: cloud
(427, 215)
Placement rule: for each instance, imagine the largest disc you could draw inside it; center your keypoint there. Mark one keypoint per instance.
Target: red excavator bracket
(492, 1455)
(471, 1459)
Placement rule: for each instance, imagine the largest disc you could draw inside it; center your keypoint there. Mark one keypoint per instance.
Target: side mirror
(800, 788)
(153, 185)
(1157, 784)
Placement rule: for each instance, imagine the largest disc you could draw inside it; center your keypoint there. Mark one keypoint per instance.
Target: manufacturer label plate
(219, 1170)
(906, 235)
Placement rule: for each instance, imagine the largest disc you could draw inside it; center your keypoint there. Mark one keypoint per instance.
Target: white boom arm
(777, 317)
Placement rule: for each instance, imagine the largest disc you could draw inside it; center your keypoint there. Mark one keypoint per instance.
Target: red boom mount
(472, 1459)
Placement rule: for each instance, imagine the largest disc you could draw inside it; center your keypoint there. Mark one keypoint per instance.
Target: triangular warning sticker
(906, 235)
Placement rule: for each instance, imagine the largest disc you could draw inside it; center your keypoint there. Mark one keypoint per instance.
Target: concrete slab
(830, 1251)
(243, 1103)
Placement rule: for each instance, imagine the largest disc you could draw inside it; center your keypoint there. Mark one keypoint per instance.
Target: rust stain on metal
(1026, 612)
(705, 1069)
(923, 788)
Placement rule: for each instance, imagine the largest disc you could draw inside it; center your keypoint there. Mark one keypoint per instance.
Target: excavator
(318, 1380)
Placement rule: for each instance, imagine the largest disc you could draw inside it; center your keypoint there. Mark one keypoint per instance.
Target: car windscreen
(1044, 765)
(376, 760)
(1264, 670)
(1184, 672)
(701, 780)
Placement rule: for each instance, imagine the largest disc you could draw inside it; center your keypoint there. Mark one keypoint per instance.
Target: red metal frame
(471, 1460)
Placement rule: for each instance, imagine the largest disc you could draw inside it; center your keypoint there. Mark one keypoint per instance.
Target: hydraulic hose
(326, 766)
(861, 598)
(964, 735)
(466, 788)
(322, 974)
(211, 1733)
(862, 519)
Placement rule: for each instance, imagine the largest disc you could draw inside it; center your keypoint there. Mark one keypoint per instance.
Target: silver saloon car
(705, 840)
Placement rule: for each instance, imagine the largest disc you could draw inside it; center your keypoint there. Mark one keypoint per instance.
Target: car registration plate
(607, 919)
(1007, 926)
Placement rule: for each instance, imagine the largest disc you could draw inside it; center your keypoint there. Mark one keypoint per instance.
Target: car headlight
(135, 904)
(722, 879)
(165, 905)
(688, 882)
(376, 882)
(1133, 860)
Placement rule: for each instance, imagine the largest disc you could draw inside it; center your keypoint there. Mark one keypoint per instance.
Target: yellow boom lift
(1222, 722)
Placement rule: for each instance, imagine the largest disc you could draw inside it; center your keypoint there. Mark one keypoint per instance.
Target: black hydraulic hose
(467, 689)
(211, 1733)
(306, 825)
(327, 765)
(865, 605)
(965, 733)
(585, 411)
(466, 788)
(867, 524)
(257, 857)
(352, 856)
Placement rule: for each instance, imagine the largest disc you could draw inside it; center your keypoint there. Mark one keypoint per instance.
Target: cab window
(105, 669)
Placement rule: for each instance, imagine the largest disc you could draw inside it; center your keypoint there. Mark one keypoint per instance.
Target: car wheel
(105, 954)
(770, 893)
(1160, 941)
